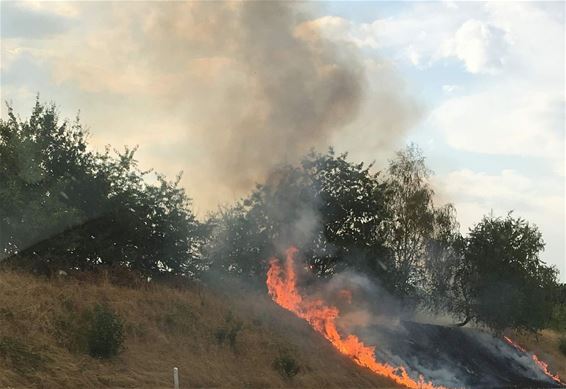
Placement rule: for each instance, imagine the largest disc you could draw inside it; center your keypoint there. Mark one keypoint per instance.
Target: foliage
(505, 282)
(332, 209)
(562, 345)
(105, 335)
(558, 317)
(420, 235)
(65, 207)
(286, 365)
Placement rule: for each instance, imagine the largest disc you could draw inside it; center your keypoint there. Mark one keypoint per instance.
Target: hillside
(40, 343)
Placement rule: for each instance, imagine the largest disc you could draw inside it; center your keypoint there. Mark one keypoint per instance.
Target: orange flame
(541, 364)
(281, 284)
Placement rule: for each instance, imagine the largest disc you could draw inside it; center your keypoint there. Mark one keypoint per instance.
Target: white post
(176, 377)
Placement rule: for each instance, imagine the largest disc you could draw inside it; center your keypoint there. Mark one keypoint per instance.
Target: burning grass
(547, 346)
(43, 339)
(324, 319)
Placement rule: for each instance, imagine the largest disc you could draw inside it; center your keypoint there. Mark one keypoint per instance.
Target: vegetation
(505, 283)
(106, 333)
(35, 352)
(286, 365)
(65, 207)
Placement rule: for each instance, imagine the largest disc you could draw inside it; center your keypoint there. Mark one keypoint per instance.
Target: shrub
(106, 333)
(286, 365)
(562, 345)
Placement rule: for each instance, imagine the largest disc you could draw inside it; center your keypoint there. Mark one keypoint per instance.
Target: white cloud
(521, 112)
(515, 51)
(509, 119)
(479, 46)
(505, 96)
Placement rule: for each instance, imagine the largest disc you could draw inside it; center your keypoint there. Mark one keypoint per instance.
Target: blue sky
(478, 86)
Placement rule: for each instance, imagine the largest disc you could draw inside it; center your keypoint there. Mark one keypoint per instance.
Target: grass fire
(283, 288)
(282, 194)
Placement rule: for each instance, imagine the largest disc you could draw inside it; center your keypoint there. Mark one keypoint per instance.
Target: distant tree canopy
(65, 207)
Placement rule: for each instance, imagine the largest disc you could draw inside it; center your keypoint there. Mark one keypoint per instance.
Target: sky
(200, 88)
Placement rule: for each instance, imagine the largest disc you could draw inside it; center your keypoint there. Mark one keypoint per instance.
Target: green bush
(562, 345)
(286, 365)
(558, 318)
(106, 333)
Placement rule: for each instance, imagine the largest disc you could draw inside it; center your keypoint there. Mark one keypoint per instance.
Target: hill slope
(41, 322)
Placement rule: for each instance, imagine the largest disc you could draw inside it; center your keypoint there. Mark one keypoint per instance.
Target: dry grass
(545, 345)
(164, 327)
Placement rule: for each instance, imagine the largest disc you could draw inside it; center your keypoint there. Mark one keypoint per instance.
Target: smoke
(227, 91)
(445, 355)
(278, 87)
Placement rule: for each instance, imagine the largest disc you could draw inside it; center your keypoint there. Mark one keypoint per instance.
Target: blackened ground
(457, 357)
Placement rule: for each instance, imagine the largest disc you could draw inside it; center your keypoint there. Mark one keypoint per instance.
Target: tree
(505, 283)
(330, 208)
(420, 235)
(65, 207)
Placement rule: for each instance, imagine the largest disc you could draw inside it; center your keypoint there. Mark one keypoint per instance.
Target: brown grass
(545, 346)
(165, 327)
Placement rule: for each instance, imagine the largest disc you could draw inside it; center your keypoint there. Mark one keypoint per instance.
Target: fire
(541, 364)
(281, 284)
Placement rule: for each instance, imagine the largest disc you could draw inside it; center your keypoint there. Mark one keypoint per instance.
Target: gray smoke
(227, 91)
(275, 87)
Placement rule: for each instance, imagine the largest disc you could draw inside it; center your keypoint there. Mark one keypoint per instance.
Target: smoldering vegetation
(446, 355)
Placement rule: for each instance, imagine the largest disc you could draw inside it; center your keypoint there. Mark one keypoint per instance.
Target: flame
(541, 364)
(281, 284)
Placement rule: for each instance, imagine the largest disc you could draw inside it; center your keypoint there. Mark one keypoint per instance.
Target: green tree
(329, 207)
(504, 281)
(420, 234)
(63, 206)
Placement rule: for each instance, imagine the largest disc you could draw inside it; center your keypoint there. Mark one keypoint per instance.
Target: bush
(286, 365)
(562, 345)
(106, 333)
(558, 318)
(65, 207)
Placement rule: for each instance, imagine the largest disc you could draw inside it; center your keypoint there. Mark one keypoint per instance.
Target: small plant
(106, 333)
(562, 345)
(286, 365)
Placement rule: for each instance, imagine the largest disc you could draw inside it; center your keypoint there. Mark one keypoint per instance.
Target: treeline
(65, 207)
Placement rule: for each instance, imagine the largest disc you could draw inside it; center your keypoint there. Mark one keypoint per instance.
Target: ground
(164, 327)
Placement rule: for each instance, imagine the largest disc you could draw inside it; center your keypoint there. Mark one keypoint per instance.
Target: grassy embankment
(42, 344)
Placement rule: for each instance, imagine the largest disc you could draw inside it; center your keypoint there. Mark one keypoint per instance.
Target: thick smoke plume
(278, 88)
(234, 89)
